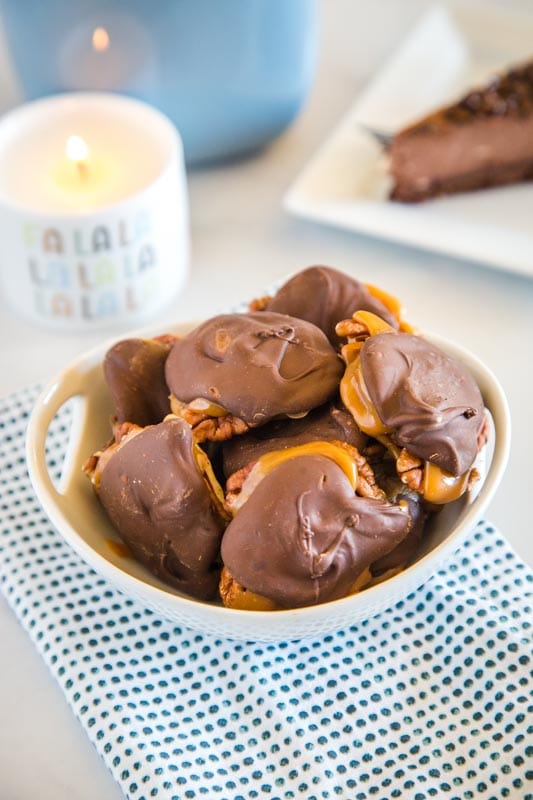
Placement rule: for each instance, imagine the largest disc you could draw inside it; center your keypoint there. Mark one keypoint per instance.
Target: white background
(242, 240)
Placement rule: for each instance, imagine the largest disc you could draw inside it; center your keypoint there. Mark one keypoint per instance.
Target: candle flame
(101, 40)
(78, 152)
(77, 149)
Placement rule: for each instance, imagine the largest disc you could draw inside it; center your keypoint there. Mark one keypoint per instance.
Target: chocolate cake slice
(486, 139)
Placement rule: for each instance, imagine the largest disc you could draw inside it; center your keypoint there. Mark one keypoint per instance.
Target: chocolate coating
(158, 502)
(303, 536)
(135, 373)
(325, 296)
(430, 400)
(404, 552)
(327, 424)
(257, 366)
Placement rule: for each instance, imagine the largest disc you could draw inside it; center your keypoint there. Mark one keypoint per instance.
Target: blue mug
(231, 74)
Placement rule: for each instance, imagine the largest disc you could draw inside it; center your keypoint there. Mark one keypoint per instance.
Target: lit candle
(78, 152)
(93, 209)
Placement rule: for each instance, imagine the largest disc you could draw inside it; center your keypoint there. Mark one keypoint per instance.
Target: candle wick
(81, 166)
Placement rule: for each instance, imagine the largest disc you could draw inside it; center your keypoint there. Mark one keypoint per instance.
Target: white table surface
(242, 240)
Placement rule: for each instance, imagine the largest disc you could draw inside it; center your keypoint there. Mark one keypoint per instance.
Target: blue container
(231, 74)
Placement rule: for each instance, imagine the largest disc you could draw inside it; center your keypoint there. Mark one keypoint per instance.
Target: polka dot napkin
(428, 699)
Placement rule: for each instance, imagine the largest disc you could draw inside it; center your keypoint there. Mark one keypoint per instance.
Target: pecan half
(219, 429)
(234, 485)
(366, 480)
(410, 469)
(206, 427)
(95, 464)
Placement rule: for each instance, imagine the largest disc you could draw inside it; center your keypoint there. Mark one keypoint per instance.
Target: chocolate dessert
(135, 373)
(157, 499)
(328, 423)
(485, 139)
(430, 401)
(238, 371)
(424, 405)
(304, 537)
(339, 460)
(324, 296)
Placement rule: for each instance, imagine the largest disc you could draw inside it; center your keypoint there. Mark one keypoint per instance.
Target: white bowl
(74, 510)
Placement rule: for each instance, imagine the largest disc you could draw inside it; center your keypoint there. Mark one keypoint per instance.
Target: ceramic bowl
(74, 510)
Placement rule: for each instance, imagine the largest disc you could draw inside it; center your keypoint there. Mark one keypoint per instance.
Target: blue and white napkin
(428, 699)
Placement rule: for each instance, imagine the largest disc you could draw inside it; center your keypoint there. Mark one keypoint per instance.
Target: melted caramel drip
(392, 304)
(441, 487)
(373, 322)
(119, 548)
(355, 397)
(206, 468)
(361, 582)
(269, 461)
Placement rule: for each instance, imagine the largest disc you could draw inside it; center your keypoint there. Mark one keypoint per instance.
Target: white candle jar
(93, 211)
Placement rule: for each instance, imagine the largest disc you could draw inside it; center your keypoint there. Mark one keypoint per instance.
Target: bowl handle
(73, 383)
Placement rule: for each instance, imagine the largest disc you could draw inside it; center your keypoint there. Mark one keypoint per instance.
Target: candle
(93, 209)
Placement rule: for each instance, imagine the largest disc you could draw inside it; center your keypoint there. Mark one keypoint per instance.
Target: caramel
(373, 322)
(355, 397)
(119, 548)
(441, 487)
(392, 304)
(206, 468)
(269, 461)
(361, 582)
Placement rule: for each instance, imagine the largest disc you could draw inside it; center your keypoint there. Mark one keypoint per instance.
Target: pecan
(219, 429)
(410, 469)
(351, 329)
(235, 483)
(89, 465)
(259, 303)
(206, 427)
(95, 464)
(366, 480)
(122, 429)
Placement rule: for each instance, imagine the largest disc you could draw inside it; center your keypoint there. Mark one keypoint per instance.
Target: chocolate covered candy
(324, 296)
(251, 367)
(429, 401)
(134, 370)
(157, 499)
(304, 537)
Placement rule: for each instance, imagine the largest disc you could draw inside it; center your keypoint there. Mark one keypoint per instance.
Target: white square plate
(346, 183)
